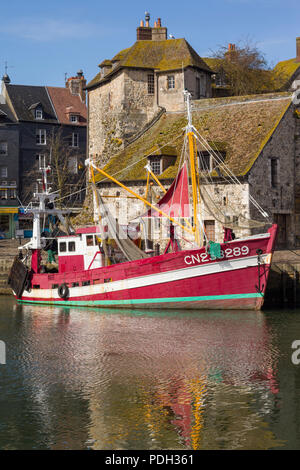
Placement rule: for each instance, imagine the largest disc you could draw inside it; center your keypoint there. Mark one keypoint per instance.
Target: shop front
(8, 217)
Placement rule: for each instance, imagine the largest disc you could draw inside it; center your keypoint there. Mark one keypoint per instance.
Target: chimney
(144, 33)
(77, 84)
(159, 33)
(298, 49)
(231, 51)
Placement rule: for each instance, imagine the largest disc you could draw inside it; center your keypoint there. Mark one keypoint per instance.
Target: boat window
(62, 247)
(71, 246)
(54, 286)
(90, 240)
(75, 284)
(86, 283)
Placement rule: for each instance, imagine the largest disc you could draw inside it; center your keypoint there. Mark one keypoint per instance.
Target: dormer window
(155, 163)
(36, 110)
(39, 113)
(74, 118)
(207, 161)
(161, 158)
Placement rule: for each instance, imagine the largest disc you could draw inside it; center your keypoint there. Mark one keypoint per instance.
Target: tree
(245, 69)
(67, 174)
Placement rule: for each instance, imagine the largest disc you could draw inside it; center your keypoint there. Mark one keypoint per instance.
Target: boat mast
(192, 145)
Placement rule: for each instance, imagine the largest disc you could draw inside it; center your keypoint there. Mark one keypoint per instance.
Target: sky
(43, 41)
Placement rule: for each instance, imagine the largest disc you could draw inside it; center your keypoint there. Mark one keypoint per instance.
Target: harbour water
(107, 379)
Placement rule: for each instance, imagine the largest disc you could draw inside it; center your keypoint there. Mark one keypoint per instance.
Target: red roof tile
(65, 104)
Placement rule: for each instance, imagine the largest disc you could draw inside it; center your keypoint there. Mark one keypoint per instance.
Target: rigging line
(228, 224)
(81, 180)
(143, 158)
(233, 177)
(176, 180)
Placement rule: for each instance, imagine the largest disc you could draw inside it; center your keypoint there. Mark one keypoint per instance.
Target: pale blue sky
(43, 41)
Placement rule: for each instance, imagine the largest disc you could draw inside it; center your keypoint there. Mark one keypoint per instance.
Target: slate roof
(23, 97)
(6, 115)
(243, 125)
(170, 54)
(63, 100)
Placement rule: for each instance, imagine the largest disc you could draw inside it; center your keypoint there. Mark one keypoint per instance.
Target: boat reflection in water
(127, 380)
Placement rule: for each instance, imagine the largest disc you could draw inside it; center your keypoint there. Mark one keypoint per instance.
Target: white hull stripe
(153, 279)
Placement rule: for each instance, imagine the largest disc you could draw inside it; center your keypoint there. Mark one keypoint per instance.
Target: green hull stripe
(95, 303)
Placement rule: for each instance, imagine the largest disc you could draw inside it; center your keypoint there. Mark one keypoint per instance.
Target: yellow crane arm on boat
(141, 198)
(155, 178)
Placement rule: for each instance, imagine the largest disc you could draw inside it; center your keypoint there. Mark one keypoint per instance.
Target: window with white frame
(3, 193)
(41, 137)
(3, 148)
(74, 140)
(155, 163)
(171, 82)
(39, 113)
(40, 161)
(3, 171)
(73, 118)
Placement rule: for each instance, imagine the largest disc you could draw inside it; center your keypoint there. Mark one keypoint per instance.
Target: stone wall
(190, 83)
(171, 99)
(231, 199)
(122, 106)
(117, 110)
(279, 198)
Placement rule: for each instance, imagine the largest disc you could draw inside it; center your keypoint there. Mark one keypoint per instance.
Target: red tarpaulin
(175, 203)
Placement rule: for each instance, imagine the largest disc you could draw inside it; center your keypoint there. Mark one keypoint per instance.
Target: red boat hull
(186, 279)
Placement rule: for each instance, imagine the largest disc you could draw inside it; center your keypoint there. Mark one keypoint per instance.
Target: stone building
(29, 117)
(9, 169)
(257, 137)
(138, 84)
(289, 70)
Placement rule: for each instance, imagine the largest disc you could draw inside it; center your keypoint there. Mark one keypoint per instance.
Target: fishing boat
(93, 271)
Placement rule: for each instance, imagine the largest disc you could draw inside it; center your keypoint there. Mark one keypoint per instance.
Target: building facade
(33, 119)
(140, 82)
(9, 170)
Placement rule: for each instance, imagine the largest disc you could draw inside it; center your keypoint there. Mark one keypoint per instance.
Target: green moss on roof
(105, 62)
(120, 55)
(289, 67)
(213, 63)
(170, 54)
(165, 150)
(241, 125)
